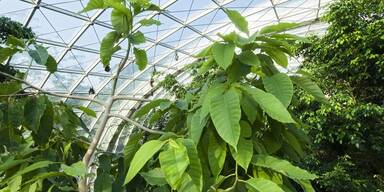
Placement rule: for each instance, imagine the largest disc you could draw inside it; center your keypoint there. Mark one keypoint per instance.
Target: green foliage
(122, 15)
(348, 64)
(9, 27)
(230, 128)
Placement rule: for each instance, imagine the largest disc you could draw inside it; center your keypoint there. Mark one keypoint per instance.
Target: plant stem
(83, 185)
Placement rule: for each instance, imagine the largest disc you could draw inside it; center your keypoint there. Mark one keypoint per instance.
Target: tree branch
(137, 124)
(120, 97)
(51, 93)
(83, 184)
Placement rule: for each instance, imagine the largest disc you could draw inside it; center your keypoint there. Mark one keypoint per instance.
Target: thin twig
(137, 124)
(51, 93)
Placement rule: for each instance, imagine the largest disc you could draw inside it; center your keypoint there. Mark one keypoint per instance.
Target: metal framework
(188, 26)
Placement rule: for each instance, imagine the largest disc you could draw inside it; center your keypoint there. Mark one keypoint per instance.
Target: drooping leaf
(278, 56)
(206, 98)
(282, 166)
(121, 21)
(77, 169)
(51, 64)
(277, 28)
(87, 111)
(94, 4)
(149, 22)
(154, 177)
(194, 170)
(263, 185)
(280, 86)
(132, 146)
(270, 104)
(238, 20)
(293, 142)
(108, 48)
(244, 153)
(148, 107)
(187, 185)
(197, 126)
(223, 54)
(174, 161)
(249, 107)
(46, 125)
(217, 151)
(225, 113)
(249, 58)
(6, 52)
(32, 167)
(141, 58)
(141, 157)
(9, 87)
(39, 54)
(306, 185)
(309, 86)
(33, 111)
(137, 38)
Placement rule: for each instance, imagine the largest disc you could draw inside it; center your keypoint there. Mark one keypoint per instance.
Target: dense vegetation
(348, 63)
(239, 126)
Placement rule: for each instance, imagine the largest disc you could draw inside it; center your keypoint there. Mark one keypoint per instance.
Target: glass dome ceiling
(187, 27)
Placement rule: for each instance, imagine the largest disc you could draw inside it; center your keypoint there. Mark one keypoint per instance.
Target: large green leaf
(77, 169)
(270, 104)
(107, 47)
(6, 52)
(144, 110)
(33, 111)
(142, 156)
(141, 58)
(9, 87)
(187, 185)
(194, 170)
(45, 126)
(306, 185)
(244, 153)
(309, 86)
(121, 21)
(132, 146)
(39, 54)
(32, 167)
(282, 166)
(263, 185)
(280, 86)
(238, 20)
(278, 56)
(249, 58)
(225, 113)
(217, 151)
(250, 108)
(137, 38)
(197, 126)
(154, 177)
(174, 161)
(206, 97)
(94, 4)
(51, 64)
(277, 28)
(87, 111)
(223, 54)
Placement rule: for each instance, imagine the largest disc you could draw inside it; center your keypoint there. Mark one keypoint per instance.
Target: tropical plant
(230, 130)
(348, 63)
(41, 147)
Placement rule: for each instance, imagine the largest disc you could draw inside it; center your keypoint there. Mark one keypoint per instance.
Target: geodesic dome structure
(187, 27)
